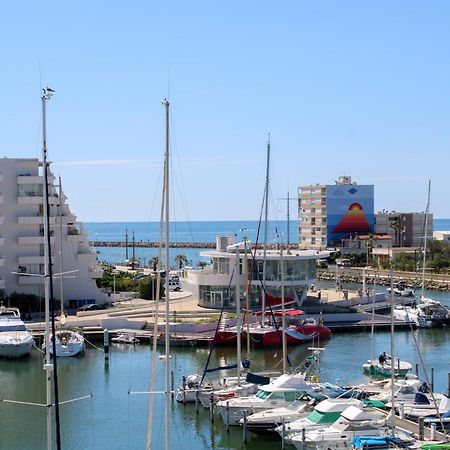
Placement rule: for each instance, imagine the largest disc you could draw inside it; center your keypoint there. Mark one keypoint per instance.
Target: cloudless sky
(344, 87)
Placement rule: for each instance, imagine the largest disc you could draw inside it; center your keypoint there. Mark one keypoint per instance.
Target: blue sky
(344, 87)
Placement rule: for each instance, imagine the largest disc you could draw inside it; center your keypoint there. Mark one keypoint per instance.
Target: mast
(283, 318)
(167, 329)
(238, 315)
(247, 298)
(288, 221)
(126, 244)
(425, 240)
(392, 350)
(48, 288)
(134, 254)
(61, 250)
(266, 200)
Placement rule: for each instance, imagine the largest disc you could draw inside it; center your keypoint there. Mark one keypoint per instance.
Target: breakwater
(409, 280)
(151, 244)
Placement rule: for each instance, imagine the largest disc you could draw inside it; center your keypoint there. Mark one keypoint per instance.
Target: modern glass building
(231, 265)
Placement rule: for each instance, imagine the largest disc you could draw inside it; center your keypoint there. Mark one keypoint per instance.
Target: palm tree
(154, 263)
(181, 260)
(398, 229)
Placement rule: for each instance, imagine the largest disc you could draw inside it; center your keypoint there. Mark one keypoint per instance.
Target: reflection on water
(115, 419)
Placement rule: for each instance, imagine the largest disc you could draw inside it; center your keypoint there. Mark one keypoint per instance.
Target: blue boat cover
(362, 442)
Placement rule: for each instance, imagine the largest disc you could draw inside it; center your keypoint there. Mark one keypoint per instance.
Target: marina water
(116, 418)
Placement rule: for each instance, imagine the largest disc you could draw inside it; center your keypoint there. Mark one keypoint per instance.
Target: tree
(154, 263)
(439, 263)
(202, 264)
(181, 260)
(147, 288)
(398, 229)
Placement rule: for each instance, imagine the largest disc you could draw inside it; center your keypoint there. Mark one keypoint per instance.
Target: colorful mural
(350, 209)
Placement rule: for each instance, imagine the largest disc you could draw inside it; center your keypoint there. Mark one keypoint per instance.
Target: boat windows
(19, 327)
(262, 394)
(323, 417)
(276, 396)
(291, 396)
(407, 390)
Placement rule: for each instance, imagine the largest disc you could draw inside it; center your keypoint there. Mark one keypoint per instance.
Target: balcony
(28, 280)
(25, 260)
(31, 220)
(35, 198)
(30, 179)
(34, 240)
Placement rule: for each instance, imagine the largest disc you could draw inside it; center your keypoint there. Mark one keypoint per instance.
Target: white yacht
(15, 340)
(427, 314)
(352, 423)
(280, 392)
(68, 343)
(326, 412)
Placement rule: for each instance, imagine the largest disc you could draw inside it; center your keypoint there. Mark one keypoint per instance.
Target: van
(343, 262)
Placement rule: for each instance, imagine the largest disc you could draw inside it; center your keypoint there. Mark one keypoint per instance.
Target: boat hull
(16, 349)
(294, 335)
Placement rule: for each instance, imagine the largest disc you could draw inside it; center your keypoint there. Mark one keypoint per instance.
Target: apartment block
(22, 237)
(407, 229)
(330, 212)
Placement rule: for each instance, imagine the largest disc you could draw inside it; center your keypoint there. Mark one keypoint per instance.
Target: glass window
(291, 396)
(276, 396)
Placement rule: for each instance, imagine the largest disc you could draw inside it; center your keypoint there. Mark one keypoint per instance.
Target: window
(291, 396)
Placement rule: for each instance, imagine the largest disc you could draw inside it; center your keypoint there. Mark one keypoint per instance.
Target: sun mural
(353, 220)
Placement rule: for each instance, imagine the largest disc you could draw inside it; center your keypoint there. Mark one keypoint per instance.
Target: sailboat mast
(167, 329)
(425, 239)
(61, 296)
(48, 286)
(288, 222)
(238, 315)
(266, 201)
(392, 349)
(283, 317)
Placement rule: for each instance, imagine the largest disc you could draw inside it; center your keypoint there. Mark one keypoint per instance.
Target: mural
(350, 209)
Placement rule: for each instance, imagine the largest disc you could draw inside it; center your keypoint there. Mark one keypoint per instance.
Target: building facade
(218, 285)
(329, 213)
(22, 238)
(407, 229)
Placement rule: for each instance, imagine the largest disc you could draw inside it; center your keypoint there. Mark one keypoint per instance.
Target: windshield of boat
(18, 327)
(323, 417)
(7, 314)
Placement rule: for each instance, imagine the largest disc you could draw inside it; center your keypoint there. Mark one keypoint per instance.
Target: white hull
(16, 347)
(68, 343)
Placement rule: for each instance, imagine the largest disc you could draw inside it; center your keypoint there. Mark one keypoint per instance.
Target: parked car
(91, 307)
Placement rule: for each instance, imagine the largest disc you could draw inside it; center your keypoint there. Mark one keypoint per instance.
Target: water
(190, 232)
(114, 419)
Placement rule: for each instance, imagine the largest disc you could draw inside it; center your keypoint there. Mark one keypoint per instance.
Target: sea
(199, 231)
(115, 414)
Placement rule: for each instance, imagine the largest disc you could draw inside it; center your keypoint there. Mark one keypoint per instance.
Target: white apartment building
(313, 216)
(22, 237)
(407, 229)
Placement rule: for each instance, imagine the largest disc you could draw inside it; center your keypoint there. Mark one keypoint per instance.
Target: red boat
(297, 332)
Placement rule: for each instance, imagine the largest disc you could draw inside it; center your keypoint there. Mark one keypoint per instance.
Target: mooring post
(432, 379)
(401, 410)
(172, 385)
(448, 385)
(303, 438)
(211, 407)
(283, 431)
(417, 370)
(227, 416)
(433, 432)
(421, 428)
(196, 401)
(244, 429)
(106, 343)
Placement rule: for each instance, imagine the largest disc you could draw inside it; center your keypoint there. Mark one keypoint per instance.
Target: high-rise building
(407, 229)
(22, 237)
(331, 212)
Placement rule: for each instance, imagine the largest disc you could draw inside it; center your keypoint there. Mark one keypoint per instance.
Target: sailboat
(270, 333)
(428, 313)
(67, 342)
(387, 365)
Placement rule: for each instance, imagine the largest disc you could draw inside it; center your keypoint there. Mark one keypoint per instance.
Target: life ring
(315, 378)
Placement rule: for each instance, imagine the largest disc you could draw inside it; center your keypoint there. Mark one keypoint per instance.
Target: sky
(343, 87)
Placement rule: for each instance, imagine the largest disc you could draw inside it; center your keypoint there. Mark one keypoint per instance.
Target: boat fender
(315, 378)
(161, 336)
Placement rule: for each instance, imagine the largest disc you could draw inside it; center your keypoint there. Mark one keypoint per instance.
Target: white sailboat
(67, 342)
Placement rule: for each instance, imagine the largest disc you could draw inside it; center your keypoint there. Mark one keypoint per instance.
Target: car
(92, 307)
